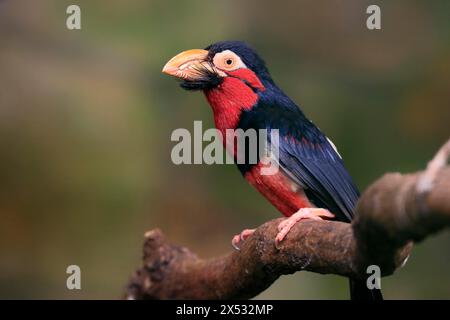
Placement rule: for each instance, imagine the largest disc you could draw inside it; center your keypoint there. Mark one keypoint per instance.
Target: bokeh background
(86, 118)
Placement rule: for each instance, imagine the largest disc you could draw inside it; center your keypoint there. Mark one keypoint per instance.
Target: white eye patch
(227, 60)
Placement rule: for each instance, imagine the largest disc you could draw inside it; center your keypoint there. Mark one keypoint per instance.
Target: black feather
(207, 79)
(306, 156)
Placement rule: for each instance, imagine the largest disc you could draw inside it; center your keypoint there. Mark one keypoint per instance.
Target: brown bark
(392, 213)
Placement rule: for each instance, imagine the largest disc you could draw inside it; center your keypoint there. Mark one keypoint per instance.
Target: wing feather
(307, 156)
(320, 170)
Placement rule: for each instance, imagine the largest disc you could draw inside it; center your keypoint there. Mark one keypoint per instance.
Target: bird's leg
(237, 239)
(304, 213)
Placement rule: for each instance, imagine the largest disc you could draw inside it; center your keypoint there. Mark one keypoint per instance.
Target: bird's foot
(239, 238)
(304, 213)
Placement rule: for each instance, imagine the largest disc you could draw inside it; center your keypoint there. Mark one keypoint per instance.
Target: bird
(312, 181)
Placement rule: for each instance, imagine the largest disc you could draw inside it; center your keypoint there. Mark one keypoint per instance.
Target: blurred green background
(86, 118)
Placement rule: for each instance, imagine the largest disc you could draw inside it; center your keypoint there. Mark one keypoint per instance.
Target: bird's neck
(228, 101)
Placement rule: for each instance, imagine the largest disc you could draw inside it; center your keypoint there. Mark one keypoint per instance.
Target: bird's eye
(228, 62)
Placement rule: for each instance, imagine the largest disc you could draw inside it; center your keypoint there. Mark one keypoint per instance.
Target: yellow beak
(187, 64)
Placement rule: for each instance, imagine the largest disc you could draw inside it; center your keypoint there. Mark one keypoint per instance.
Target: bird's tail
(359, 291)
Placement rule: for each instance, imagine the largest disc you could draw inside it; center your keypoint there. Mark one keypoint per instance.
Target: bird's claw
(235, 241)
(304, 213)
(241, 237)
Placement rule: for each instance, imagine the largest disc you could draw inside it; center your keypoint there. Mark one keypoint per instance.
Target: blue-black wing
(307, 157)
(318, 168)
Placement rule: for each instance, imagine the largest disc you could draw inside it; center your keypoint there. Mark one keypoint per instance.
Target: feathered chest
(228, 101)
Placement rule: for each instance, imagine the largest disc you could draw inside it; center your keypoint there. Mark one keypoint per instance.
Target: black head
(248, 55)
(206, 69)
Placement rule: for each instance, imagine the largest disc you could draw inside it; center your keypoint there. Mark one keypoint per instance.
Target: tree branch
(392, 213)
